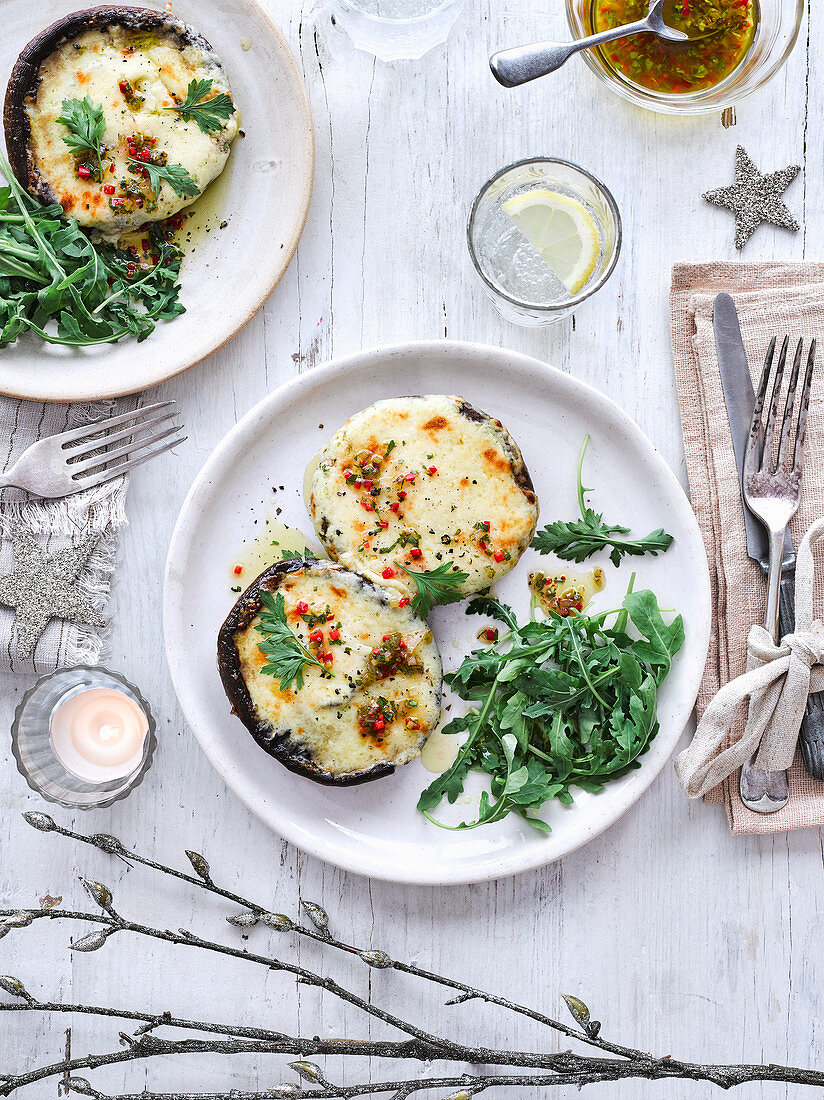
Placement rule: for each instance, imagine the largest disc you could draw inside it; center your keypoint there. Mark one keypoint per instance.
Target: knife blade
(739, 397)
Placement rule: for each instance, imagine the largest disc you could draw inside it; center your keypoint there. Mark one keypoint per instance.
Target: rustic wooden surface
(681, 937)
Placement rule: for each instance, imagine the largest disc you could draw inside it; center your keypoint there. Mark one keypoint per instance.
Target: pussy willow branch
(568, 1068)
(466, 1086)
(183, 938)
(565, 1068)
(204, 881)
(277, 1043)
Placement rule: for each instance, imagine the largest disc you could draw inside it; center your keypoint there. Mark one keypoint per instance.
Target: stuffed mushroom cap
(136, 65)
(412, 483)
(370, 694)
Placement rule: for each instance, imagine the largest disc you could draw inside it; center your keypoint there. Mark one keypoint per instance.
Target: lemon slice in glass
(562, 230)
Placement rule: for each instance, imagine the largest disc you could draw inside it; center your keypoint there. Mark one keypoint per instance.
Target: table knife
(740, 400)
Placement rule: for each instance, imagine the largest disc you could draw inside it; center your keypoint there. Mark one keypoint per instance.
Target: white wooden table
(681, 938)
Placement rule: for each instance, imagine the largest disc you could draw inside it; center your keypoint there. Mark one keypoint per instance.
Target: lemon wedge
(562, 230)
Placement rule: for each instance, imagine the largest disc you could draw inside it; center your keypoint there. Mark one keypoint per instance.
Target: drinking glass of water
(543, 235)
(395, 29)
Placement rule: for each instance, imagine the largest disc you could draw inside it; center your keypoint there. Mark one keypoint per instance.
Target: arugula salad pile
(559, 702)
(567, 700)
(51, 271)
(95, 293)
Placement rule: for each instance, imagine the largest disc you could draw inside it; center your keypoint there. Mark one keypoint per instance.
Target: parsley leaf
(579, 539)
(435, 586)
(566, 701)
(174, 174)
(287, 656)
(209, 114)
(86, 126)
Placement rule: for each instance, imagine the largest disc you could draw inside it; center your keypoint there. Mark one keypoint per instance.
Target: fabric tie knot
(808, 646)
(777, 682)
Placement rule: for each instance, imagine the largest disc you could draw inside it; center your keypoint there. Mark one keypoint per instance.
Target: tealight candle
(83, 737)
(98, 734)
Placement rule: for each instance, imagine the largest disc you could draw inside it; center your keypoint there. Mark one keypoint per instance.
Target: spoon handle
(524, 63)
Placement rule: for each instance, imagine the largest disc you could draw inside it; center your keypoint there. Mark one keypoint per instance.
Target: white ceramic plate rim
(223, 457)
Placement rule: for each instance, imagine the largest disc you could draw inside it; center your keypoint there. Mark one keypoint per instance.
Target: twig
(466, 1086)
(557, 1068)
(115, 923)
(283, 923)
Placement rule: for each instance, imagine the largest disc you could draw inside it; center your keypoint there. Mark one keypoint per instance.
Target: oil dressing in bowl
(720, 33)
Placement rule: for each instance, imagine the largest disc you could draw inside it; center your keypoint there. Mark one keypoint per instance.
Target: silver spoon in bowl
(524, 63)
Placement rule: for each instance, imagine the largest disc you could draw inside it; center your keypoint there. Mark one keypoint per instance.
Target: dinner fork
(84, 457)
(772, 490)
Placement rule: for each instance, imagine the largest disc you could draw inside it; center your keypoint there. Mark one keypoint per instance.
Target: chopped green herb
(435, 586)
(86, 126)
(209, 114)
(174, 174)
(287, 656)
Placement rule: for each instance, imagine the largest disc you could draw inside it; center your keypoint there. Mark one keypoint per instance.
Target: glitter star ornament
(754, 198)
(43, 587)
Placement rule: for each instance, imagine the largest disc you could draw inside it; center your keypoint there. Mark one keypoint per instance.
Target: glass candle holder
(519, 283)
(83, 774)
(395, 30)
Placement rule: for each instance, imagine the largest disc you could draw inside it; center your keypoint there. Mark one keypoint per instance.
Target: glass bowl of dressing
(735, 47)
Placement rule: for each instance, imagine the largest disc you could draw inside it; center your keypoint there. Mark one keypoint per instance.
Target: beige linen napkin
(772, 299)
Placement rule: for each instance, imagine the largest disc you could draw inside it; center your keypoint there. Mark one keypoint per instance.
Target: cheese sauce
(419, 483)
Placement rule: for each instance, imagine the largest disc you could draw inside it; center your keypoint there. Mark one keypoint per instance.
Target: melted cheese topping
(158, 68)
(444, 490)
(323, 716)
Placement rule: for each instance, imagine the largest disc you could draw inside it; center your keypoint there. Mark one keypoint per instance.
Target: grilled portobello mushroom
(377, 697)
(135, 63)
(424, 481)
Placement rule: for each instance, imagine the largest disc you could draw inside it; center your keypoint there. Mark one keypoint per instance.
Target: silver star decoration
(754, 198)
(42, 587)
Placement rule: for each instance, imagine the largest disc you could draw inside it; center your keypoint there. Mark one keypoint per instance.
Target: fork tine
(83, 448)
(786, 422)
(753, 454)
(801, 430)
(98, 426)
(91, 480)
(106, 457)
(769, 429)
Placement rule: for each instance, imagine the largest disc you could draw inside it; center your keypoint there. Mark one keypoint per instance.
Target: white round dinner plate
(374, 829)
(262, 196)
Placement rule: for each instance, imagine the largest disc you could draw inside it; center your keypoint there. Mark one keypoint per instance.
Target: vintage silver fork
(83, 457)
(772, 490)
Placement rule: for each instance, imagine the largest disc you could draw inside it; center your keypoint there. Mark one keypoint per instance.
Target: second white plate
(260, 200)
(375, 829)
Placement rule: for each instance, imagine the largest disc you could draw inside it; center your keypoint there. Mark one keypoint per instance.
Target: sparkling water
(511, 262)
(396, 29)
(397, 9)
(519, 282)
